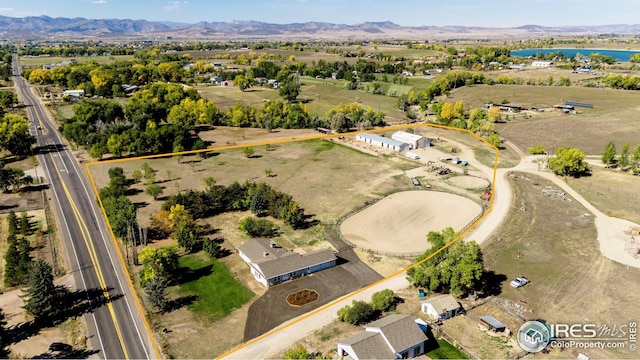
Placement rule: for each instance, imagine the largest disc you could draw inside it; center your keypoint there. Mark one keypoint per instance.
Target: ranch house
(382, 141)
(270, 264)
(441, 307)
(396, 336)
(414, 141)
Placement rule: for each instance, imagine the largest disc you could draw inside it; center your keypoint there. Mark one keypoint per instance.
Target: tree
(494, 114)
(447, 112)
(568, 161)
(187, 235)
(609, 154)
(267, 171)
(242, 82)
(623, 160)
(296, 353)
(12, 223)
(42, 299)
(121, 213)
(210, 182)
(537, 150)
(359, 312)
(247, 151)
(635, 160)
(156, 290)
(495, 140)
(289, 91)
(158, 263)
(211, 248)
(154, 190)
(24, 224)
(14, 134)
(178, 215)
(9, 177)
(136, 176)
(12, 277)
(5, 339)
(383, 300)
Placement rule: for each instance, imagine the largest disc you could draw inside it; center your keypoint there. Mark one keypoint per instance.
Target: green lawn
(217, 291)
(446, 351)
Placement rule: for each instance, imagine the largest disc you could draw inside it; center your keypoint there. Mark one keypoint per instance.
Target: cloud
(175, 5)
(99, 1)
(12, 12)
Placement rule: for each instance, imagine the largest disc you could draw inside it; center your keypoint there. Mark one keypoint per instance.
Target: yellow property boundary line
(282, 141)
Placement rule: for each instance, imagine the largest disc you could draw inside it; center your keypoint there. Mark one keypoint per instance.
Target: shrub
(537, 150)
(258, 228)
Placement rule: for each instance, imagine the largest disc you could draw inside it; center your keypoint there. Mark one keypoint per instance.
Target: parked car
(519, 282)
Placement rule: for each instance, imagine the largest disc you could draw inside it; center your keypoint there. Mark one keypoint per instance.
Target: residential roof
(403, 135)
(274, 261)
(369, 345)
(493, 322)
(401, 331)
(443, 303)
(382, 139)
(293, 261)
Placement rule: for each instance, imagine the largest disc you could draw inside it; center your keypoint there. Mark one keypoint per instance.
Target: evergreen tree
(12, 221)
(24, 224)
(156, 289)
(24, 262)
(12, 262)
(41, 298)
(4, 337)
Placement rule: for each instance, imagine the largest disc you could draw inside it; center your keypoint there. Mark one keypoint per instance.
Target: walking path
(611, 238)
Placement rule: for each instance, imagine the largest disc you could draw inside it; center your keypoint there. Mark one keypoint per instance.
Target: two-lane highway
(117, 328)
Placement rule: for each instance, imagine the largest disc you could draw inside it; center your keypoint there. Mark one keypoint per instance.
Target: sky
(485, 13)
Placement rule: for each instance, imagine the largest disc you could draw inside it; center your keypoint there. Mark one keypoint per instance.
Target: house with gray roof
(396, 336)
(270, 264)
(441, 307)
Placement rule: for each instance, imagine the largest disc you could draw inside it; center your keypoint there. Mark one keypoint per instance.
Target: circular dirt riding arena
(399, 223)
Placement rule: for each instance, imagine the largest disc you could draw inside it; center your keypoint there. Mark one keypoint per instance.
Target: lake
(620, 55)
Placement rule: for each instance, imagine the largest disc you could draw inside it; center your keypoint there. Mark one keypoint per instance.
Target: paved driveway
(272, 309)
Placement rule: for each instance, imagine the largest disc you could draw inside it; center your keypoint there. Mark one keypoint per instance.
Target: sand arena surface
(399, 223)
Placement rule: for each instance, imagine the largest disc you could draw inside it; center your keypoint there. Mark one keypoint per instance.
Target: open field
(28, 62)
(612, 192)
(613, 118)
(320, 95)
(402, 220)
(553, 243)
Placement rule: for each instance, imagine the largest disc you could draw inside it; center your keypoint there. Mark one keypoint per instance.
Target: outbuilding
(415, 141)
(492, 323)
(382, 142)
(441, 307)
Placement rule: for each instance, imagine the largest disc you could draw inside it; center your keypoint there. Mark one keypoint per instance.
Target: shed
(441, 307)
(382, 141)
(492, 323)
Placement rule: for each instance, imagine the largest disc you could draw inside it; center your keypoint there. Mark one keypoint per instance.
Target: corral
(402, 220)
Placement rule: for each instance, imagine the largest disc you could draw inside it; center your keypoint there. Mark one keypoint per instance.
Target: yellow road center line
(93, 255)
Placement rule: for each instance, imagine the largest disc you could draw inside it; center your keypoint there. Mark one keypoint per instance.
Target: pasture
(28, 62)
(613, 118)
(553, 243)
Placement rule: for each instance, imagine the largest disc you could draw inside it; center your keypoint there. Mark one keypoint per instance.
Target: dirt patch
(402, 220)
(468, 182)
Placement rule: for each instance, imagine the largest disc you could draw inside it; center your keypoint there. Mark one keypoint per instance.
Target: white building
(541, 64)
(414, 141)
(382, 141)
(441, 307)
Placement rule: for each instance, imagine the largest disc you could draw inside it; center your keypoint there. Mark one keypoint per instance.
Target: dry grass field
(553, 243)
(613, 118)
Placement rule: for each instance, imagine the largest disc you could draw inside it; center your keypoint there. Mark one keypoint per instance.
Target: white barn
(415, 141)
(541, 64)
(382, 141)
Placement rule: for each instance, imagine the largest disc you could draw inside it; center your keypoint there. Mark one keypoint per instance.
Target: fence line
(386, 253)
(441, 333)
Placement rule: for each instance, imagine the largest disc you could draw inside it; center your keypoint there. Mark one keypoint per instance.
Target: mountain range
(44, 27)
